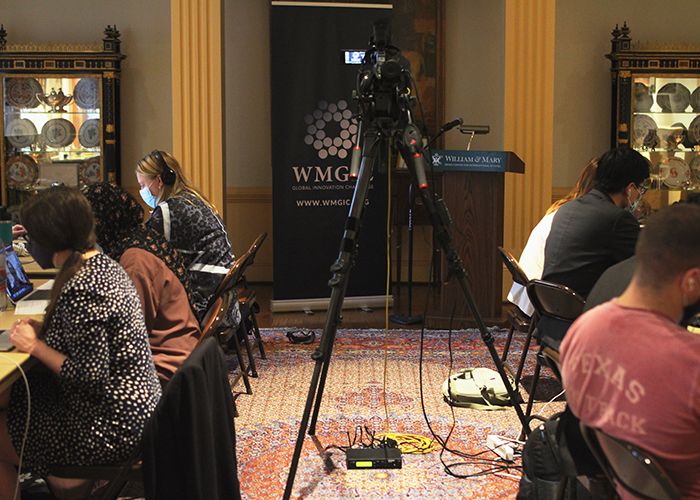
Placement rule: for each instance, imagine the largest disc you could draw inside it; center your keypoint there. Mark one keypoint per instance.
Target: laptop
(19, 286)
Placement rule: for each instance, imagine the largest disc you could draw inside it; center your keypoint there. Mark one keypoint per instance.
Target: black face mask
(41, 256)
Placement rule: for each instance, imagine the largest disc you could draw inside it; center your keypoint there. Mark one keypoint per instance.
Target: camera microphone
(450, 125)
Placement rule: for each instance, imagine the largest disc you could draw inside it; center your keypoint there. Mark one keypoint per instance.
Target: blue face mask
(149, 198)
(633, 206)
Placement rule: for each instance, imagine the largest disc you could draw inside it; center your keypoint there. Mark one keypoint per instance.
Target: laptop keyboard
(42, 294)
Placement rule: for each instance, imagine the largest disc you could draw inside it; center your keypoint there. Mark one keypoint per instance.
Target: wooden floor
(351, 318)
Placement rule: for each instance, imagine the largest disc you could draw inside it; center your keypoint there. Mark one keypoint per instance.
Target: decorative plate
(643, 101)
(674, 172)
(695, 100)
(21, 93)
(644, 131)
(695, 167)
(21, 133)
(20, 171)
(91, 171)
(58, 133)
(694, 131)
(673, 97)
(89, 134)
(86, 93)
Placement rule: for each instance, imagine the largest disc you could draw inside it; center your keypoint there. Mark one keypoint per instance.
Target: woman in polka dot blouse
(98, 385)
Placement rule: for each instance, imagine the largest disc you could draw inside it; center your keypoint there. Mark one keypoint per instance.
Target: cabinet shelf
(60, 122)
(655, 95)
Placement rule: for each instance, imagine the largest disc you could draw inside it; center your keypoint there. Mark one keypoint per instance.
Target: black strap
(302, 336)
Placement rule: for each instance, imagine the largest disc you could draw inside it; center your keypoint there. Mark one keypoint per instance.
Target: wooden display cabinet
(656, 110)
(60, 115)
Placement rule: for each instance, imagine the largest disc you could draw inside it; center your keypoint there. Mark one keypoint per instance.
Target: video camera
(383, 85)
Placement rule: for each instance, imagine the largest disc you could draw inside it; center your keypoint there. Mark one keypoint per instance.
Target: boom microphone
(450, 125)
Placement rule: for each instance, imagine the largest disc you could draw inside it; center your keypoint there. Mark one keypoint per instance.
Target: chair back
(233, 276)
(252, 251)
(555, 300)
(551, 357)
(513, 266)
(629, 466)
(257, 243)
(214, 317)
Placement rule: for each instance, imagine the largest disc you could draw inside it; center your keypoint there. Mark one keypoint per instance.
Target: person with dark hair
(532, 259)
(595, 231)
(191, 224)
(616, 278)
(629, 368)
(91, 402)
(155, 268)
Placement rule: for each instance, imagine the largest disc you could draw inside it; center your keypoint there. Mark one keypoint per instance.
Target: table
(8, 370)
(9, 373)
(34, 270)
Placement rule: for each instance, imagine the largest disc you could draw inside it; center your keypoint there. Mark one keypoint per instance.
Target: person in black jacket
(595, 231)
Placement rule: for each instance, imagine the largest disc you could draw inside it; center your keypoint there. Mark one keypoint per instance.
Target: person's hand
(18, 230)
(23, 335)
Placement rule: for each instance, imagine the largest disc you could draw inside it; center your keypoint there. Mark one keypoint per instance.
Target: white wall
(474, 70)
(146, 90)
(247, 86)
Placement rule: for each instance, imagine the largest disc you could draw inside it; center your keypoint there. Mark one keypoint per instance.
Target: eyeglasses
(642, 188)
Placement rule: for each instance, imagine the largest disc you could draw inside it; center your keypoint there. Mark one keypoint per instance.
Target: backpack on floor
(478, 388)
(546, 458)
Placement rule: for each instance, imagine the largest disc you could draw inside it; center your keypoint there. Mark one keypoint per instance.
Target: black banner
(313, 132)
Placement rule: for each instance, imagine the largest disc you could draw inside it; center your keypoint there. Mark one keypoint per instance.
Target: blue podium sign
(477, 161)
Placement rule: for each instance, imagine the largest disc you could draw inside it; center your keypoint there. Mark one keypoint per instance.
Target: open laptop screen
(18, 284)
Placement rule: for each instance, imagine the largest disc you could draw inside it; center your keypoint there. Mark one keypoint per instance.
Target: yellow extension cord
(407, 443)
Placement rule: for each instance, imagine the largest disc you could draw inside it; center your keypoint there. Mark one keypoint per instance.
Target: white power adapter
(501, 447)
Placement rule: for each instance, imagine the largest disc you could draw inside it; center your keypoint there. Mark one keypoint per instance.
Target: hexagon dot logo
(331, 129)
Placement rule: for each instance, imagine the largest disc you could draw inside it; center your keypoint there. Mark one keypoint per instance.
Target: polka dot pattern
(94, 412)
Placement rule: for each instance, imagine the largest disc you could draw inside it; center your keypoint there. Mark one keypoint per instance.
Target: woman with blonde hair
(532, 258)
(192, 225)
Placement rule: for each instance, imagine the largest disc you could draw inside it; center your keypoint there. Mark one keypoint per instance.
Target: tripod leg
(409, 142)
(338, 284)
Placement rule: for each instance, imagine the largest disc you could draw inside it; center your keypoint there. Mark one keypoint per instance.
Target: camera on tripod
(383, 89)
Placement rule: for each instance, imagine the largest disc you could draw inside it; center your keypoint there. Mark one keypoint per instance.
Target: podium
(472, 186)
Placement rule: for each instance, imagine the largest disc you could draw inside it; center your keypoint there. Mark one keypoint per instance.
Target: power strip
(501, 447)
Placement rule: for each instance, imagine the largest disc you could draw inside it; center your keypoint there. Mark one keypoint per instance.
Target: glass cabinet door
(52, 133)
(666, 124)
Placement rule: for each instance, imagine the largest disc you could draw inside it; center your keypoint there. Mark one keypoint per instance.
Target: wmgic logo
(331, 129)
(437, 159)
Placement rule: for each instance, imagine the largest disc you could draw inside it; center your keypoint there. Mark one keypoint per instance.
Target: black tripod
(385, 114)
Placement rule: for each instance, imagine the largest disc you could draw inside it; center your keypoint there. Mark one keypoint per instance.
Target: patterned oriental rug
(353, 398)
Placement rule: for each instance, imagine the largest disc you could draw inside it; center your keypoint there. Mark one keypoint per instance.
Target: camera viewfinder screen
(353, 56)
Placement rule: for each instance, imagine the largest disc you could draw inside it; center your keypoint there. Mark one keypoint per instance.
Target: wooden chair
(247, 299)
(519, 321)
(227, 288)
(630, 467)
(211, 321)
(117, 475)
(211, 327)
(558, 302)
(132, 469)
